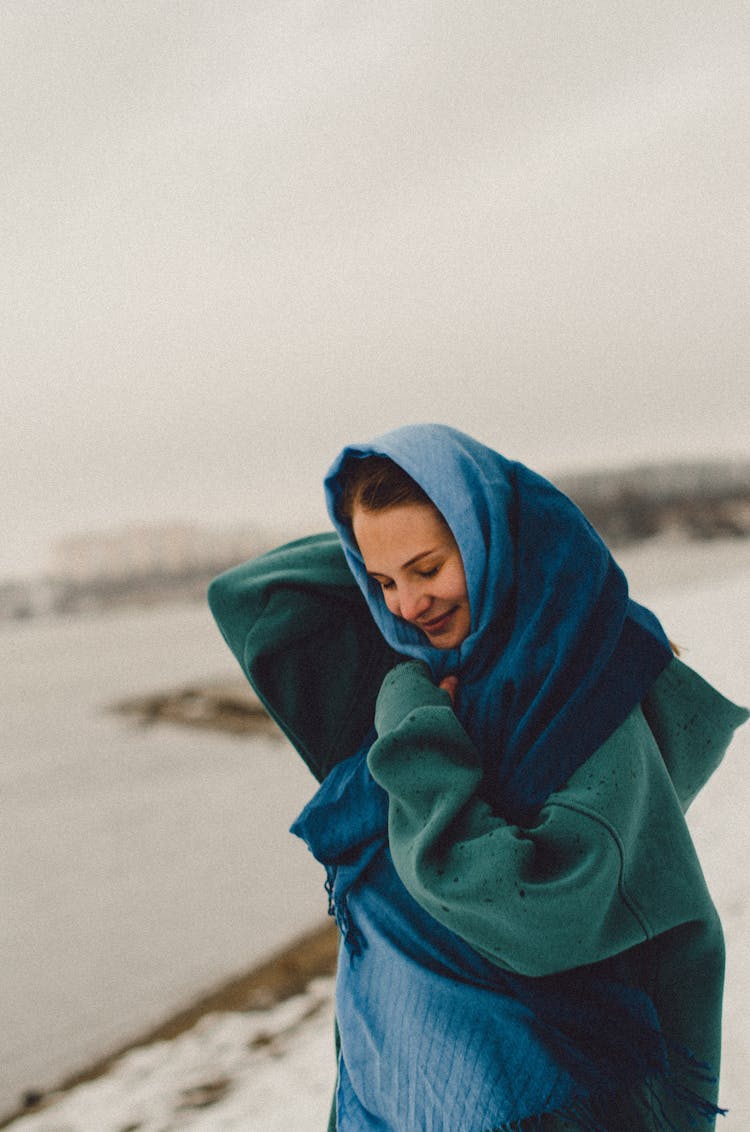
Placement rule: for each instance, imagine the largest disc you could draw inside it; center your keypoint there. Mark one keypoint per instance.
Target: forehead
(389, 539)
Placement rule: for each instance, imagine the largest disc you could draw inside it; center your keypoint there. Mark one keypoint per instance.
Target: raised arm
(303, 635)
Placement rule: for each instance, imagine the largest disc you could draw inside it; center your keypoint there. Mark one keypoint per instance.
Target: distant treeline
(698, 501)
(695, 501)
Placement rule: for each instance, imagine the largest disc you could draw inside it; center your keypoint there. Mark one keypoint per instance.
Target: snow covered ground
(257, 1071)
(272, 1070)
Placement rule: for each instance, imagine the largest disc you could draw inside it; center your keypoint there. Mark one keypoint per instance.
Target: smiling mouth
(438, 623)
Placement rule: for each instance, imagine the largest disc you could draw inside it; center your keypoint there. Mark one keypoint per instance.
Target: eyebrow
(405, 565)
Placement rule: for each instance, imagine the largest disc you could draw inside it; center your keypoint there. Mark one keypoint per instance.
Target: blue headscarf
(558, 654)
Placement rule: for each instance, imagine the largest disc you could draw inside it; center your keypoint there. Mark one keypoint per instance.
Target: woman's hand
(449, 684)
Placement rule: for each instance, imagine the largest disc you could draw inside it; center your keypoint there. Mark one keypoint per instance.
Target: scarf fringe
(339, 909)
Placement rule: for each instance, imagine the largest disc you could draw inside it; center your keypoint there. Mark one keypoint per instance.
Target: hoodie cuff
(405, 688)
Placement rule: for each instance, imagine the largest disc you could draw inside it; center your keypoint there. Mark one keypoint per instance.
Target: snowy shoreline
(300, 969)
(234, 1070)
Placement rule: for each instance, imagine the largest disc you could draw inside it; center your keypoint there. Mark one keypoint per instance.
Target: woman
(506, 746)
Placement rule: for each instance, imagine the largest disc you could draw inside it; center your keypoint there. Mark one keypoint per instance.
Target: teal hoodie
(607, 867)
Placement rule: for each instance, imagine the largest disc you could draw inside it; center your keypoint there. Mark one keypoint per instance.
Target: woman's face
(412, 554)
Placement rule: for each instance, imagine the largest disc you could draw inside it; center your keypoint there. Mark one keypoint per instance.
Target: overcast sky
(236, 236)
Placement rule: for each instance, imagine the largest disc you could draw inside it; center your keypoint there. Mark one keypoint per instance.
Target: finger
(449, 684)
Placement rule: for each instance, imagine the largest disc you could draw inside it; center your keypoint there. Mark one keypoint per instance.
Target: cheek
(457, 585)
(391, 601)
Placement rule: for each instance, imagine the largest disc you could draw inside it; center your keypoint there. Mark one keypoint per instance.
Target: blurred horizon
(149, 562)
(238, 238)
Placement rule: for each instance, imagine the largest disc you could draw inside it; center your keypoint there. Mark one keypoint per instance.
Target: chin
(447, 641)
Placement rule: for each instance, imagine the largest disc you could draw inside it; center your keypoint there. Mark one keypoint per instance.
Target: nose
(413, 601)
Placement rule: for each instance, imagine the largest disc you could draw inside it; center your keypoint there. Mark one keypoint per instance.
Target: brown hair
(376, 483)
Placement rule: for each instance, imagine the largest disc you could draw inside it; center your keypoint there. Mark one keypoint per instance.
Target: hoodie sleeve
(304, 638)
(607, 864)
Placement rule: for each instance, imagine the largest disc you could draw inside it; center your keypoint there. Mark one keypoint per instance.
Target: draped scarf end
(677, 1088)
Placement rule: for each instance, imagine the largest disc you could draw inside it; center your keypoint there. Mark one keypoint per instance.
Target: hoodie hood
(693, 725)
